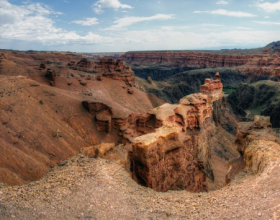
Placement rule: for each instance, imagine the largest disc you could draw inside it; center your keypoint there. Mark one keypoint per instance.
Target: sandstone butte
(172, 145)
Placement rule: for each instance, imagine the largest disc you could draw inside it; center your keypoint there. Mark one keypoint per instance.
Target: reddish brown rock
(83, 83)
(248, 132)
(51, 75)
(171, 147)
(43, 66)
(84, 63)
(186, 58)
(116, 70)
(161, 161)
(97, 150)
(259, 145)
(129, 91)
(261, 64)
(72, 63)
(178, 154)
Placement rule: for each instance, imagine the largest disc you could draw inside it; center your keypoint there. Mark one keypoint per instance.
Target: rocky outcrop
(173, 145)
(259, 144)
(83, 63)
(178, 154)
(43, 66)
(97, 150)
(116, 70)
(51, 75)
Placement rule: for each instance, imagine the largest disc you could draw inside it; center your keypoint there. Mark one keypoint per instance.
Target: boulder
(97, 150)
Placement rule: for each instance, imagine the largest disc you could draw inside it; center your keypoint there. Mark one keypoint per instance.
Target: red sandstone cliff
(171, 147)
(187, 58)
(263, 64)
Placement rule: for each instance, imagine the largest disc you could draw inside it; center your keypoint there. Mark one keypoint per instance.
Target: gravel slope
(83, 188)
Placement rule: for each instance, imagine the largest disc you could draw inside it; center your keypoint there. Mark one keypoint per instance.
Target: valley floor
(83, 188)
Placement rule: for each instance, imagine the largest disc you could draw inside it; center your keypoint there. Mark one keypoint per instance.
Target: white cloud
(238, 14)
(127, 21)
(201, 26)
(180, 40)
(222, 2)
(268, 22)
(266, 17)
(243, 28)
(30, 23)
(212, 25)
(115, 4)
(269, 7)
(86, 22)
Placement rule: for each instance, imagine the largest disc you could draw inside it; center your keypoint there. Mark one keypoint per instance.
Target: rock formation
(173, 156)
(97, 150)
(186, 58)
(51, 75)
(115, 70)
(170, 144)
(83, 63)
(258, 143)
(43, 66)
(106, 67)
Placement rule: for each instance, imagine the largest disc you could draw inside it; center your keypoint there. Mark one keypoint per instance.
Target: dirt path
(101, 189)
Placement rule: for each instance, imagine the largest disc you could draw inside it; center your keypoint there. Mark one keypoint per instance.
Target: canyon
(73, 126)
(175, 73)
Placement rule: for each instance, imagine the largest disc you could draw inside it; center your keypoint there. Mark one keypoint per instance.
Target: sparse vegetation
(229, 89)
(41, 102)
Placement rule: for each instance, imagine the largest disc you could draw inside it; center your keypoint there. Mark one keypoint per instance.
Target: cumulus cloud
(268, 22)
(115, 4)
(238, 14)
(128, 21)
(269, 7)
(222, 2)
(86, 22)
(31, 23)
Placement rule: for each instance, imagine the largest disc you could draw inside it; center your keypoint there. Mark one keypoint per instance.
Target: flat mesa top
(146, 140)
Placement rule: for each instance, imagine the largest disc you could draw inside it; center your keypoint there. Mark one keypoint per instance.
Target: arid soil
(83, 188)
(42, 125)
(53, 106)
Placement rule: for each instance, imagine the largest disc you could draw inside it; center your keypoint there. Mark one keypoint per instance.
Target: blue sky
(128, 25)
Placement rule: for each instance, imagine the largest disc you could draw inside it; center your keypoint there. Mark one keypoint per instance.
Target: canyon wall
(260, 98)
(178, 154)
(259, 145)
(184, 58)
(174, 146)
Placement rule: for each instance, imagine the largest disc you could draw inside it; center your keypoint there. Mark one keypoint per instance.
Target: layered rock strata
(259, 144)
(174, 156)
(171, 147)
(106, 67)
(187, 58)
(116, 70)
